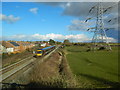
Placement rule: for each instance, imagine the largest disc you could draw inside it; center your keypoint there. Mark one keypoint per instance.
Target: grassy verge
(94, 69)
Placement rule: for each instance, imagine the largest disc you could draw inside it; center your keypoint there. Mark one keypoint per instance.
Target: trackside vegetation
(94, 69)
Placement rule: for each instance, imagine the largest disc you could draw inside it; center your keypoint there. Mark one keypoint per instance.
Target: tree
(66, 41)
(58, 42)
(51, 42)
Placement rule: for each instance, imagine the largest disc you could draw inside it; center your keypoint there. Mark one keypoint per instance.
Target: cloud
(53, 3)
(56, 37)
(110, 39)
(80, 25)
(60, 37)
(82, 8)
(81, 11)
(58, 4)
(34, 10)
(9, 19)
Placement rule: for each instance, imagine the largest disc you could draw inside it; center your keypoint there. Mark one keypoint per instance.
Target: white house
(10, 50)
(43, 44)
(2, 49)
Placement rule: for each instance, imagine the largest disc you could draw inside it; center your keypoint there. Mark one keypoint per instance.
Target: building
(11, 46)
(16, 46)
(2, 49)
(25, 45)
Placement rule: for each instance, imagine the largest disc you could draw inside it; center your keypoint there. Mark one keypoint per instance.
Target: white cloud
(64, 5)
(34, 10)
(57, 37)
(9, 19)
(19, 36)
(68, 4)
(110, 39)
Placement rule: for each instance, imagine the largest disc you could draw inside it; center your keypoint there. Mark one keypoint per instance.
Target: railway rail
(13, 68)
(3, 70)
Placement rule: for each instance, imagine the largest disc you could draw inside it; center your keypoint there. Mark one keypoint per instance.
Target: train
(44, 51)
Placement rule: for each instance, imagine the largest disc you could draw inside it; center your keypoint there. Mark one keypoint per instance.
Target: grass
(94, 69)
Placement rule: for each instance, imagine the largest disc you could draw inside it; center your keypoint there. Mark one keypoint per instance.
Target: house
(25, 45)
(22, 45)
(2, 49)
(7, 48)
(11, 47)
(29, 45)
(16, 46)
(43, 44)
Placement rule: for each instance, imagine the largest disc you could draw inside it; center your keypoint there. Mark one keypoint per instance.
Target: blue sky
(36, 21)
(47, 20)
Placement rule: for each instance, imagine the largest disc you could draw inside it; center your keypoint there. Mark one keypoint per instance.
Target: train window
(39, 51)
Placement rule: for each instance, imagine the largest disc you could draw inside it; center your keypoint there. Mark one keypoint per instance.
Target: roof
(7, 44)
(24, 43)
(14, 43)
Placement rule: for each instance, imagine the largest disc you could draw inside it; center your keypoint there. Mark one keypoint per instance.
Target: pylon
(100, 38)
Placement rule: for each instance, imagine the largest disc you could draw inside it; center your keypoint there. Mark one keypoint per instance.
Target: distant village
(18, 46)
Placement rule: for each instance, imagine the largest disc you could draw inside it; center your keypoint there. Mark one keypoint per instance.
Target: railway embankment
(54, 72)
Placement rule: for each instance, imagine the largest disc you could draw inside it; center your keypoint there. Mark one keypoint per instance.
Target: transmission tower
(99, 38)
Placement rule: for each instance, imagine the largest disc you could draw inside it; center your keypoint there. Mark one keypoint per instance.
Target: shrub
(5, 55)
(102, 48)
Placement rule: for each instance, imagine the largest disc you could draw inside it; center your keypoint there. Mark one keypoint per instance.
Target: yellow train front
(44, 51)
(39, 53)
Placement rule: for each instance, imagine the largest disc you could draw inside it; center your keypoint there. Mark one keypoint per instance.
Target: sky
(54, 20)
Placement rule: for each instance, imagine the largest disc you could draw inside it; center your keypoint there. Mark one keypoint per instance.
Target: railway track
(14, 68)
(3, 70)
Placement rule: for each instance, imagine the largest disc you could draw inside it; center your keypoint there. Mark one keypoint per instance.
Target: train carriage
(44, 51)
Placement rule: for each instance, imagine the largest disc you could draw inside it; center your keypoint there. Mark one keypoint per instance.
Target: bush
(87, 50)
(5, 55)
(67, 44)
(8, 55)
(102, 48)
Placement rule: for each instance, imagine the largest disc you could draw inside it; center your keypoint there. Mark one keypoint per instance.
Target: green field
(97, 69)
